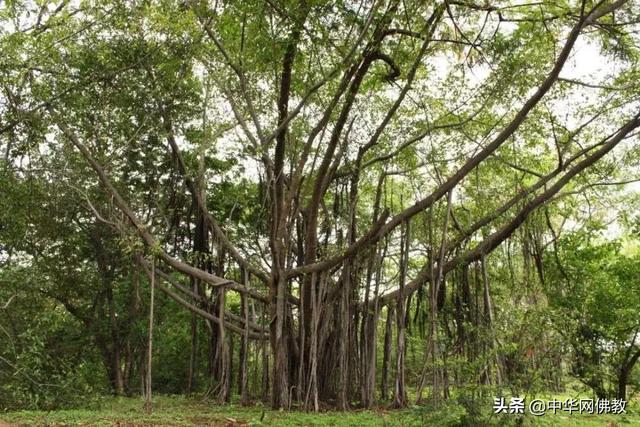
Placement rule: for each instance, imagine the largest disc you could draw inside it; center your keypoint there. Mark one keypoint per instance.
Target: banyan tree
(342, 168)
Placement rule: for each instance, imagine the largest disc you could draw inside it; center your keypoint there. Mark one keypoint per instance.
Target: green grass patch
(182, 411)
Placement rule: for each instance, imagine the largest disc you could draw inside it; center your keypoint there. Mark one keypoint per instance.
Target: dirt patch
(227, 422)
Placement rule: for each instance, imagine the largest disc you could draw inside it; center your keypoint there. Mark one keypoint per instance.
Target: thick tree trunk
(116, 360)
(194, 344)
(386, 357)
(243, 379)
(344, 322)
(625, 370)
(229, 368)
(148, 388)
(223, 351)
(488, 318)
(623, 377)
(279, 346)
(266, 383)
(400, 396)
(370, 334)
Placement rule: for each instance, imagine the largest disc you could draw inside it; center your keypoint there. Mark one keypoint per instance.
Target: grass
(182, 411)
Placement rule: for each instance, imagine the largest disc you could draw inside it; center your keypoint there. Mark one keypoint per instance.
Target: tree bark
(148, 388)
(400, 396)
(386, 357)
